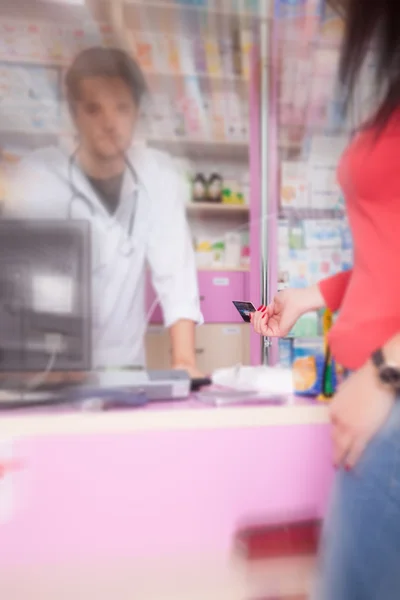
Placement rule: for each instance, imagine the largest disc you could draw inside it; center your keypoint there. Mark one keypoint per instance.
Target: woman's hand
(278, 318)
(359, 409)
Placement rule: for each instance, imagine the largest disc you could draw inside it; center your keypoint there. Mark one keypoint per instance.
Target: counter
(172, 480)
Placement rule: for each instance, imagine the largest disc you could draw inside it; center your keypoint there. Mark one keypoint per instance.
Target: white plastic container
(233, 249)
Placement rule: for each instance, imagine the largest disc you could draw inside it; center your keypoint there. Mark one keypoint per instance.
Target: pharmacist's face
(105, 116)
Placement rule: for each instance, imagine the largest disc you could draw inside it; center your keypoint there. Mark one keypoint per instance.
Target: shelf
(237, 79)
(310, 213)
(219, 208)
(29, 138)
(217, 10)
(37, 62)
(62, 12)
(180, 146)
(204, 148)
(63, 63)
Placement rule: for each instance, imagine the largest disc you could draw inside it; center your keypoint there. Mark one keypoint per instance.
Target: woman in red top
(361, 549)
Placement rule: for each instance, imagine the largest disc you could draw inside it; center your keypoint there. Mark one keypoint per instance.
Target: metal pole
(264, 123)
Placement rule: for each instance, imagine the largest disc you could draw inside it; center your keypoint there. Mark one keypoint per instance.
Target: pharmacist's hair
(372, 25)
(108, 63)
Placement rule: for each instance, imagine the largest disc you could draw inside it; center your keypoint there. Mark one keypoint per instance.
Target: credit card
(245, 309)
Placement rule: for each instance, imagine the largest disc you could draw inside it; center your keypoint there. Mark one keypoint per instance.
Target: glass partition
(189, 152)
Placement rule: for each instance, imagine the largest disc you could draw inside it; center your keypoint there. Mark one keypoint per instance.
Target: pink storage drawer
(217, 290)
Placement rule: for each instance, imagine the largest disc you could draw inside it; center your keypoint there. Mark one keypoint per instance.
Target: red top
(369, 295)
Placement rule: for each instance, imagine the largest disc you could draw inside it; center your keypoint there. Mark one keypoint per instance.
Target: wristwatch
(388, 374)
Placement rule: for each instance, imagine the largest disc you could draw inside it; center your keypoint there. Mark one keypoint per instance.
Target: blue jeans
(360, 547)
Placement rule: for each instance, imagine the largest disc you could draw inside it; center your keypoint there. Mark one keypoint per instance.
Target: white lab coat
(160, 238)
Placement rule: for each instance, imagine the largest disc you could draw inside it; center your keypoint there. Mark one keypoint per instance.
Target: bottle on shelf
(199, 188)
(214, 188)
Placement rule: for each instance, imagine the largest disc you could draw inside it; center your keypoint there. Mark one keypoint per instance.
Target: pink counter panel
(99, 492)
(217, 290)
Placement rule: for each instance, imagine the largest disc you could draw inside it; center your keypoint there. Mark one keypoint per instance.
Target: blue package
(285, 352)
(308, 368)
(346, 235)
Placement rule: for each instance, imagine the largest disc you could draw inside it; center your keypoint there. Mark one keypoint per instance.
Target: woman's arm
(288, 306)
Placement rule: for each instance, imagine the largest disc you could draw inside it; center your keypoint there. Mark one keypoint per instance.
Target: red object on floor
(294, 539)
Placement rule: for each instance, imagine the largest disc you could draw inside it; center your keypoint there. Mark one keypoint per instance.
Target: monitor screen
(45, 284)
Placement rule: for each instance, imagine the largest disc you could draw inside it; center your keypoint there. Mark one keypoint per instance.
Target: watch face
(390, 376)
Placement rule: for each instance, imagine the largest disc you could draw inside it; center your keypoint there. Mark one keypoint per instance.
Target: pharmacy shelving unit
(308, 63)
(223, 340)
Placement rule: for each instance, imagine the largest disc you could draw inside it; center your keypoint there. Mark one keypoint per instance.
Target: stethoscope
(125, 246)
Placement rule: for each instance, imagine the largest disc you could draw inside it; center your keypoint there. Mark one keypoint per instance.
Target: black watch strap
(389, 375)
(378, 360)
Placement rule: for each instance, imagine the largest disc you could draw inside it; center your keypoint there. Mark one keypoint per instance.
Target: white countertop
(161, 417)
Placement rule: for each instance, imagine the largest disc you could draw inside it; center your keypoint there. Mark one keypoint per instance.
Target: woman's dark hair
(371, 24)
(105, 62)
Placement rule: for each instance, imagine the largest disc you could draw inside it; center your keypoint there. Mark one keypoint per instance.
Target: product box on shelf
(220, 254)
(325, 152)
(246, 42)
(285, 346)
(157, 115)
(108, 36)
(233, 120)
(296, 235)
(213, 57)
(28, 84)
(322, 233)
(332, 27)
(294, 185)
(29, 98)
(299, 269)
(25, 40)
(226, 54)
(307, 267)
(194, 111)
(347, 244)
(322, 86)
(169, 56)
(294, 86)
(310, 250)
(232, 249)
(310, 368)
(324, 186)
(217, 111)
(197, 3)
(41, 117)
(143, 49)
(186, 53)
(218, 245)
(307, 326)
(199, 54)
(49, 42)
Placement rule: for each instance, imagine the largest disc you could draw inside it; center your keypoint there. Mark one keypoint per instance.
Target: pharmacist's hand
(359, 409)
(278, 318)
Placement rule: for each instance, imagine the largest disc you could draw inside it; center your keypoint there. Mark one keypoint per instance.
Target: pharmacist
(135, 201)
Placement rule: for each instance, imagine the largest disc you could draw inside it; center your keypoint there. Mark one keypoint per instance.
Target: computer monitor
(45, 299)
